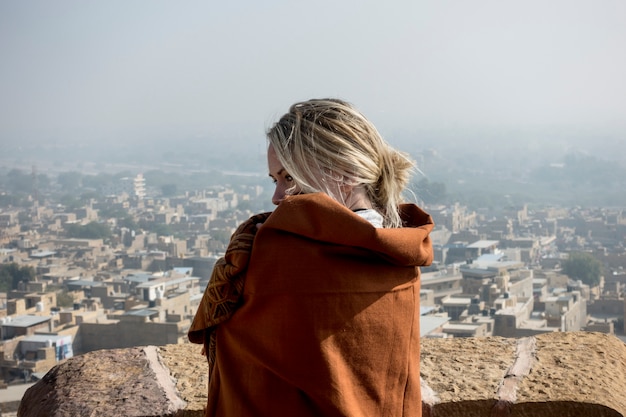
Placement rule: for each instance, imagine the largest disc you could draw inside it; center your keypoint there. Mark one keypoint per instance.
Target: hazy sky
(136, 69)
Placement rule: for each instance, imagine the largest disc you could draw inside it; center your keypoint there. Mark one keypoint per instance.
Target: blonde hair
(327, 143)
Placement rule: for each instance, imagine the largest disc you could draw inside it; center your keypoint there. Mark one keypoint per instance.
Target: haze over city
(152, 71)
(132, 149)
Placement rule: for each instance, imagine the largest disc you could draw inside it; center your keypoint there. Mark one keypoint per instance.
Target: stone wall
(554, 374)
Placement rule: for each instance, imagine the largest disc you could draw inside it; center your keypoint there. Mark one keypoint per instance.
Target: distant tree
(169, 190)
(14, 200)
(70, 201)
(88, 195)
(70, 181)
(11, 274)
(92, 230)
(244, 205)
(221, 236)
(127, 222)
(7, 200)
(112, 212)
(19, 182)
(43, 181)
(162, 229)
(583, 266)
(64, 299)
(153, 227)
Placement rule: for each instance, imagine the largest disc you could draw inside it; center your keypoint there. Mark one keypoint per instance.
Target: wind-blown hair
(326, 144)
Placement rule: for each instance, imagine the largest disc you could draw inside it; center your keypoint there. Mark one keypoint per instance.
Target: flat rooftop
(457, 301)
(25, 321)
(431, 323)
(144, 312)
(483, 244)
(43, 338)
(42, 254)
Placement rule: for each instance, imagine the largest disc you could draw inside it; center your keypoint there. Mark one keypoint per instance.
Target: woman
(327, 323)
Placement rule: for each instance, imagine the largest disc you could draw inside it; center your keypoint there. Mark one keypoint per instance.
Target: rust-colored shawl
(328, 321)
(224, 291)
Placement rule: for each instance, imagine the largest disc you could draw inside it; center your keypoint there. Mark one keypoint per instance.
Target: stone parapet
(554, 374)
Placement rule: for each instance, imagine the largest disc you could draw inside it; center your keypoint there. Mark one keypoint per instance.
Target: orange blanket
(328, 321)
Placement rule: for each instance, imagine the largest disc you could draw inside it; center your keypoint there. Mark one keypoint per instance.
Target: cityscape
(132, 144)
(103, 260)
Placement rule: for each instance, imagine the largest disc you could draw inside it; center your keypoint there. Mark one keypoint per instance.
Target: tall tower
(139, 186)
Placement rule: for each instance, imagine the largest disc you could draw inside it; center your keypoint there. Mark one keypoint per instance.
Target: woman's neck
(357, 199)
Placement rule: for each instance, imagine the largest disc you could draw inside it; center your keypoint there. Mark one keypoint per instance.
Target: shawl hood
(318, 217)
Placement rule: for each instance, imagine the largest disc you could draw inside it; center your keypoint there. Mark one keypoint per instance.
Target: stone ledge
(137, 381)
(554, 374)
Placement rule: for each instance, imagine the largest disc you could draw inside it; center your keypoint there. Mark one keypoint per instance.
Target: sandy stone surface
(118, 382)
(559, 374)
(466, 368)
(578, 367)
(190, 370)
